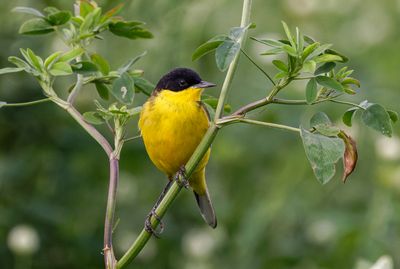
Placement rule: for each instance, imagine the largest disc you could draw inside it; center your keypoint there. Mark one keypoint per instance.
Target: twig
(25, 103)
(256, 122)
(76, 89)
(232, 67)
(258, 67)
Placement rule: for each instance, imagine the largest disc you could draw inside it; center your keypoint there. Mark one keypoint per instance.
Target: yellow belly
(172, 125)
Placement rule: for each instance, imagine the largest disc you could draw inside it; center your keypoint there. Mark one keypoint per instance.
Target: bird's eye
(182, 83)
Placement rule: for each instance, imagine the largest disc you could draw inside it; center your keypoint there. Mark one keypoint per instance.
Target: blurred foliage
(272, 212)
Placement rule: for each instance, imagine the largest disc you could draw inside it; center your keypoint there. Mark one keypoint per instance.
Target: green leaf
(33, 59)
(334, 52)
(28, 10)
(84, 67)
(309, 67)
(134, 111)
(143, 85)
(309, 39)
(352, 81)
(85, 8)
(90, 21)
(7, 70)
(272, 52)
(61, 69)
(213, 102)
(131, 29)
(19, 62)
(280, 75)
(123, 89)
(318, 50)
(269, 42)
(59, 18)
(288, 34)
(290, 50)
(311, 91)
(348, 116)
(394, 116)
(376, 117)
(71, 55)
(48, 63)
(323, 153)
(320, 118)
(50, 10)
(327, 130)
(102, 90)
(225, 54)
(280, 65)
(93, 118)
(126, 67)
(35, 27)
(309, 49)
(329, 83)
(206, 48)
(325, 68)
(327, 58)
(101, 63)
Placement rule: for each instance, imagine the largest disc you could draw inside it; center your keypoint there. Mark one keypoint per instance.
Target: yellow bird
(172, 123)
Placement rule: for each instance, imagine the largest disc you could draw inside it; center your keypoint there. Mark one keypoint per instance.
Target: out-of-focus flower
(23, 240)
(388, 148)
(321, 231)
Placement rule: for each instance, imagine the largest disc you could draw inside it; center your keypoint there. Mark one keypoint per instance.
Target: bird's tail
(206, 208)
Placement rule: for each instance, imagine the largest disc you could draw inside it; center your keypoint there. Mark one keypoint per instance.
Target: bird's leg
(152, 213)
(180, 177)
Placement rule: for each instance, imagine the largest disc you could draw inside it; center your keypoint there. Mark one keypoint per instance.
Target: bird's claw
(149, 228)
(180, 177)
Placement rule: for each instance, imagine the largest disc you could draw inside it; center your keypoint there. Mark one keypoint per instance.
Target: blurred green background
(272, 212)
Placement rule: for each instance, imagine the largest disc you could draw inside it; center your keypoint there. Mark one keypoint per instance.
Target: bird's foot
(181, 179)
(149, 228)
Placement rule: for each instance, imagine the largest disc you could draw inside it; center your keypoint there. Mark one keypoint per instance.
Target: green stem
(196, 157)
(302, 78)
(347, 103)
(256, 122)
(232, 67)
(169, 197)
(25, 103)
(304, 102)
(258, 67)
(77, 88)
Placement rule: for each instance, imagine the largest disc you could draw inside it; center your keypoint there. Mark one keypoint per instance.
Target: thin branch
(232, 67)
(256, 122)
(76, 89)
(108, 250)
(258, 67)
(30, 103)
(196, 157)
(132, 138)
(347, 103)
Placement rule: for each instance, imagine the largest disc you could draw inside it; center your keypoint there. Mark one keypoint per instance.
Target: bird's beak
(204, 84)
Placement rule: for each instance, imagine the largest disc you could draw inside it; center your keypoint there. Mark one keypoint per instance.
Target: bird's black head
(180, 79)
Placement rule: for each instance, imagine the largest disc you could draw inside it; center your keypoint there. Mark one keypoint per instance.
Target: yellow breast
(172, 125)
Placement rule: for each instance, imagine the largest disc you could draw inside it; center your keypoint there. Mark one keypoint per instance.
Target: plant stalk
(25, 103)
(196, 157)
(232, 67)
